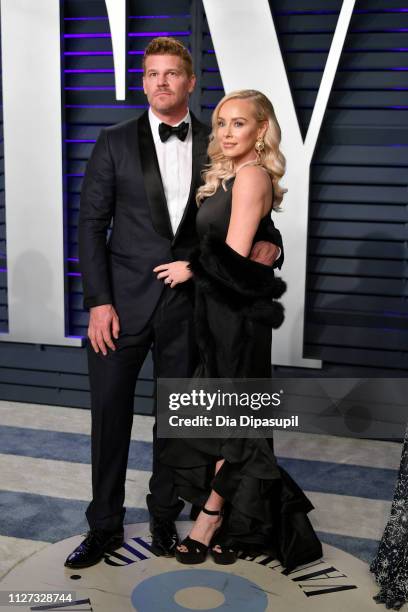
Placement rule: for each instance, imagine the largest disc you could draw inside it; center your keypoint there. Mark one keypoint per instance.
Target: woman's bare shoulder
(253, 177)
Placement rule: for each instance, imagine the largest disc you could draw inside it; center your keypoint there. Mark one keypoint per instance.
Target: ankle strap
(212, 512)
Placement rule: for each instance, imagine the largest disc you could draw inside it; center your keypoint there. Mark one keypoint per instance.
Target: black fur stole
(238, 281)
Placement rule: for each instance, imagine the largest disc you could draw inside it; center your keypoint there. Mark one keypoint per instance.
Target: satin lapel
(200, 143)
(152, 179)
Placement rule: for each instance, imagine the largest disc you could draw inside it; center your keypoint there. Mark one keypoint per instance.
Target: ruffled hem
(265, 510)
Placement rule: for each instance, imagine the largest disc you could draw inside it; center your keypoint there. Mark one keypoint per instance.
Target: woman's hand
(265, 253)
(173, 273)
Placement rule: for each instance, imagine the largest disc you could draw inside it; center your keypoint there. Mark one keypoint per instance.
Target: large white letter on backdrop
(116, 10)
(31, 74)
(249, 57)
(32, 113)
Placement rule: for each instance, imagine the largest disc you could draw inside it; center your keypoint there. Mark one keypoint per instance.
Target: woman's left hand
(174, 272)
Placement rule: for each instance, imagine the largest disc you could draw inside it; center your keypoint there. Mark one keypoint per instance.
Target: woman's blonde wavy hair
(221, 168)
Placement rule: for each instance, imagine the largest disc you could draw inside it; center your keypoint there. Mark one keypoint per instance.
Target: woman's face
(238, 130)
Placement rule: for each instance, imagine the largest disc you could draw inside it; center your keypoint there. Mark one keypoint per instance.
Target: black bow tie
(165, 131)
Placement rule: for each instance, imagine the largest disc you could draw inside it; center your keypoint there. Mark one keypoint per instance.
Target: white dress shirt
(175, 159)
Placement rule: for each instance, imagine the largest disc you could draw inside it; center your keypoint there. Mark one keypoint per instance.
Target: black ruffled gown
(265, 510)
(390, 565)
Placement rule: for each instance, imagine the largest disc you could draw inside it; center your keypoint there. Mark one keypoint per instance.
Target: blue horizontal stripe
(342, 478)
(326, 50)
(80, 140)
(40, 517)
(117, 106)
(363, 548)
(318, 476)
(99, 71)
(130, 34)
(63, 446)
(130, 17)
(51, 519)
(92, 53)
(333, 12)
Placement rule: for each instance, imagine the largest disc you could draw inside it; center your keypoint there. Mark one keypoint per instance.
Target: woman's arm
(250, 196)
(251, 193)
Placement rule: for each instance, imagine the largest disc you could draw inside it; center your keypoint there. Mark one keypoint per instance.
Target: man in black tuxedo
(141, 178)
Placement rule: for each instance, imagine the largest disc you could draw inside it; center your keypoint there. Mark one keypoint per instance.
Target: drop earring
(259, 145)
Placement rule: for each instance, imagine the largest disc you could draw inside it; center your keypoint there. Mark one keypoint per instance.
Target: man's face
(167, 84)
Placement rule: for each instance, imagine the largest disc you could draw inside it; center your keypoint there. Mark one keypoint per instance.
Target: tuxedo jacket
(124, 223)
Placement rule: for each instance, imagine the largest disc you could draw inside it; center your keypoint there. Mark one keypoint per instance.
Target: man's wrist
(97, 300)
(99, 305)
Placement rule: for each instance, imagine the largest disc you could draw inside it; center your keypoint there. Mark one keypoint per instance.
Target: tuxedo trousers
(170, 336)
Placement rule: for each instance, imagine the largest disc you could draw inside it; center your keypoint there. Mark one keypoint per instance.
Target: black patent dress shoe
(164, 537)
(92, 549)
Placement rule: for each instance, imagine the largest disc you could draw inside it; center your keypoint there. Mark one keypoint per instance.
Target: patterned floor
(45, 477)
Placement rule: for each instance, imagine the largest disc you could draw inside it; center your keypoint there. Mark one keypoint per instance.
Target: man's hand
(265, 253)
(103, 323)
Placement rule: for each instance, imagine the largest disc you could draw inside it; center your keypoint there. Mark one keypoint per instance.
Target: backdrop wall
(356, 318)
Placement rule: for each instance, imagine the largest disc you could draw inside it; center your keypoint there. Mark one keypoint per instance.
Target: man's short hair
(165, 45)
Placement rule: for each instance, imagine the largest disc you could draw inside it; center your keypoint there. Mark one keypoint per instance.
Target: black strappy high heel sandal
(196, 551)
(225, 556)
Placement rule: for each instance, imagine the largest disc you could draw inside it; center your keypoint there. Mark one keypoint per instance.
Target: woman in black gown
(390, 565)
(247, 501)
